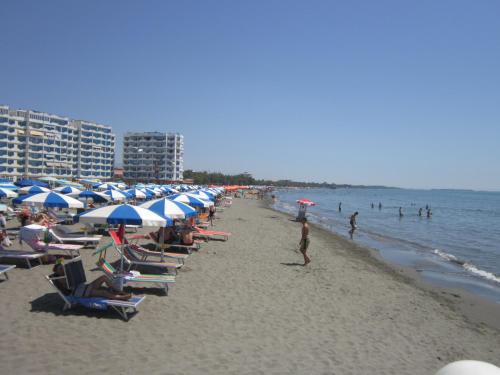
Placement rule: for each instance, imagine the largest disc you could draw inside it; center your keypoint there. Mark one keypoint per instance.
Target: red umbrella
(306, 202)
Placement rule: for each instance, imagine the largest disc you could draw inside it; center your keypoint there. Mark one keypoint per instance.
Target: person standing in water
(352, 222)
(304, 241)
(401, 212)
(340, 206)
(420, 211)
(429, 213)
(379, 205)
(373, 205)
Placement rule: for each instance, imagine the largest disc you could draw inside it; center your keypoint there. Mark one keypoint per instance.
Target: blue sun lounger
(74, 274)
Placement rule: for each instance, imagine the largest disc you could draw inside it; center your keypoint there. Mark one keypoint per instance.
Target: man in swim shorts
(304, 241)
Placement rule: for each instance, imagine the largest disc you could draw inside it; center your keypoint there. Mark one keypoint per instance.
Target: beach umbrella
(123, 214)
(22, 183)
(169, 190)
(116, 195)
(204, 195)
(105, 187)
(137, 194)
(7, 193)
(33, 190)
(8, 185)
(170, 209)
(96, 196)
(49, 199)
(68, 190)
(190, 199)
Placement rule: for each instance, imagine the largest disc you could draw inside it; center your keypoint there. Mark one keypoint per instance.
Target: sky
(398, 93)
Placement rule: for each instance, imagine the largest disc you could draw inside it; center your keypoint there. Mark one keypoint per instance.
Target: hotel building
(153, 156)
(36, 144)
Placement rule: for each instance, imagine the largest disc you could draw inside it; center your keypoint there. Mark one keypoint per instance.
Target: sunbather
(93, 289)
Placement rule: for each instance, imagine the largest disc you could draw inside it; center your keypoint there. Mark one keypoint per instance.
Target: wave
(469, 267)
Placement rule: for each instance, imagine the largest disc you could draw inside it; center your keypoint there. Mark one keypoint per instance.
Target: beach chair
(133, 260)
(139, 254)
(210, 234)
(26, 256)
(39, 246)
(162, 281)
(65, 238)
(174, 245)
(74, 274)
(6, 268)
(142, 253)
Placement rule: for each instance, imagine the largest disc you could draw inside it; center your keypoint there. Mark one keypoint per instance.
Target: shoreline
(476, 309)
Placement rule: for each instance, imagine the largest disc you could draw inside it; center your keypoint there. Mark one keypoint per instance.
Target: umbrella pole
(161, 239)
(122, 227)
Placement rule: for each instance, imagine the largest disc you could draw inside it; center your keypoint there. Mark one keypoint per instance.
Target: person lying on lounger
(93, 289)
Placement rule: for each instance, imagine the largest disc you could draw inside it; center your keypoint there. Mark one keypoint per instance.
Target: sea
(458, 246)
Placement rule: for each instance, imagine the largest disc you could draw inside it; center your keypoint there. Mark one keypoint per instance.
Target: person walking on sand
(304, 241)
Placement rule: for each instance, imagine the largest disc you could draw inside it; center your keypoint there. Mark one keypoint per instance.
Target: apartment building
(37, 144)
(153, 156)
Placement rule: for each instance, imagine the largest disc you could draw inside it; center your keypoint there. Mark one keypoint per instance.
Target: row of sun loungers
(167, 258)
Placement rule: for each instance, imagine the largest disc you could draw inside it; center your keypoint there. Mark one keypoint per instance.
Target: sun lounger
(40, 246)
(6, 268)
(143, 253)
(27, 256)
(162, 281)
(210, 234)
(65, 238)
(74, 274)
(133, 260)
(174, 245)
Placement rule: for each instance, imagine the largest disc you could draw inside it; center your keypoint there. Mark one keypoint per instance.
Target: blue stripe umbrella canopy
(22, 183)
(105, 187)
(68, 190)
(116, 195)
(204, 195)
(153, 192)
(169, 190)
(8, 185)
(7, 193)
(95, 196)
(122, 214)
(50, 199)
(190, 199)
(33, 190)
(170, 209)
(137, 194)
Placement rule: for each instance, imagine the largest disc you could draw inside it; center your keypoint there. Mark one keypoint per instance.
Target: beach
(247, 306)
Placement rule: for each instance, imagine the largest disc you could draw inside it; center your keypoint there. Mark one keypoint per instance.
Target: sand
(245, 306)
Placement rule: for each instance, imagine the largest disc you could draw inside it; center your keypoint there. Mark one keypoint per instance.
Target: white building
(153, 156)
(36, 144)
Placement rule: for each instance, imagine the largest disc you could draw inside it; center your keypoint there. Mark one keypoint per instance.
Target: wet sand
(247, 306)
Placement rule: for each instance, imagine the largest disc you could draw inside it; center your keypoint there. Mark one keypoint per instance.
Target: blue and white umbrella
(68, 190)
(7, 193)
(116, 195)
(170, 209)
(96, 196)
(204, 195)
(105, 187)
(33, 190)
(125, 214)
(153, 192)
(50, 199)
(169, 190)
(190, 199)
(8, 185)
(137, 194)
